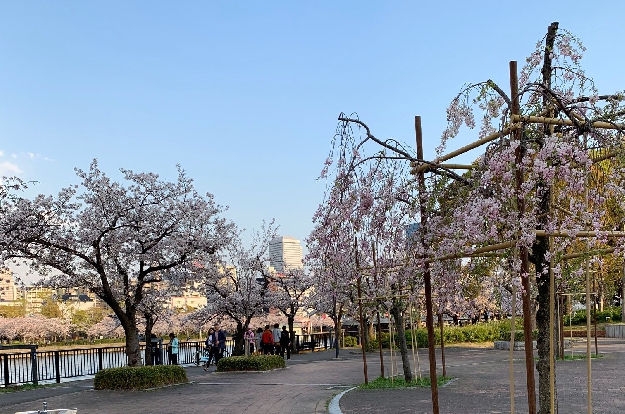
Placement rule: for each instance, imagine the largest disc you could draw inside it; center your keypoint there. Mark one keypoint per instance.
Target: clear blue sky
(245, 95)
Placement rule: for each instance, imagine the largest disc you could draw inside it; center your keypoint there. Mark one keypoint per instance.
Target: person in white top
(276, 338)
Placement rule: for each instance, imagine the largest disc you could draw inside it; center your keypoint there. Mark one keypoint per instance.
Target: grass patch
(578, 357)
(24, 387)
(400, 382)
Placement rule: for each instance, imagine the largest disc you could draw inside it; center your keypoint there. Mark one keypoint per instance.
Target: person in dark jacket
(220, 343)
(285, 343)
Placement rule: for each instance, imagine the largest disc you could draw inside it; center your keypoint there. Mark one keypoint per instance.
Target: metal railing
(321, 340)
(54, 366)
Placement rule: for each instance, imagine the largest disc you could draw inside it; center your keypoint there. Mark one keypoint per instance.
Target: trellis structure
(514, 128)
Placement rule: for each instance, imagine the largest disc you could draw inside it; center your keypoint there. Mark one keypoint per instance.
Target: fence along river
(55, 366)
(45, 367)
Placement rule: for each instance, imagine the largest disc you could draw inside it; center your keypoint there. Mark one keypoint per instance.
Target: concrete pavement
(312, 379)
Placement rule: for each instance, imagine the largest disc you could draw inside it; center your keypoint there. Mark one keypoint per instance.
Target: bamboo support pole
(588, 353)
(604, 157)
(458, 166)
(588, 356)
(476, 252)
(558, 121)
(412, 339)
(589, 253)
(512, 335)
(441, 327)
(594, 311)
(379, 324)
(427, 281)
(584, 233)
(362, 321)
(390, 346)
(523, 251)
(466, 148)
(552, 290)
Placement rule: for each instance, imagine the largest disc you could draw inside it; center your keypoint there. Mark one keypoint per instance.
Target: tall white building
(285, 253)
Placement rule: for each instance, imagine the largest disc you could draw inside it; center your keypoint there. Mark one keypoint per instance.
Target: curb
(334, 406)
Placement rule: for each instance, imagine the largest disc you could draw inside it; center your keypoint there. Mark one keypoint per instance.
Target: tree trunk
(337, 329)
(291, 322)
(539, 250)
(401, 341)
(129, 323)
(133, 348)
(542, 324)
(365, 336)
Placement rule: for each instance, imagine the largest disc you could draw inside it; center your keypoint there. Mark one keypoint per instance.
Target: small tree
(237, 281)
(290, 293)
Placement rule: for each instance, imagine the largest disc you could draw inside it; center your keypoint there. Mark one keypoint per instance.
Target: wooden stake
(523, 252)
(552, 292)
(440, 322)
(427, 282)
(375, 279)
(512, 335)
(362, 321)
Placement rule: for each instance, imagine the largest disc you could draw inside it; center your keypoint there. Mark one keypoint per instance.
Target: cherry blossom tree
(290, 292)
(237, 281)
(115, 237)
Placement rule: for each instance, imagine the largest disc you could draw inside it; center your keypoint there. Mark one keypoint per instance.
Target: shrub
(350, 342)
(132, 378)
(250, 363)
(579, 317)
(484, 332)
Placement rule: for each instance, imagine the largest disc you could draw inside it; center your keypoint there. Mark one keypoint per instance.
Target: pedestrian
(172, 349)
(267, 341)
(208, 350)
(285, 343)
(257, 339)
(155, 345)
(249, 341)
(276, 338)
(219, 343)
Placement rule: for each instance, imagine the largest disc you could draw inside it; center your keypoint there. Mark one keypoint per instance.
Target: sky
(245, 95)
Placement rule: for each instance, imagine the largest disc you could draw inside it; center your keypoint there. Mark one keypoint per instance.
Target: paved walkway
(312, 379)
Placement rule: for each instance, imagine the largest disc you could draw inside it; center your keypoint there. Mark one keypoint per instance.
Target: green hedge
(579, 317)
(136, 378)
(483, 332)
(250, 363)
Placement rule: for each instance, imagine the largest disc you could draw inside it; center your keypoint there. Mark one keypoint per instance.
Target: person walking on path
(276, 338)
(209, 348)
(219, 343)
(248, 336)
(173, 349)
(267, 341)
(257, 339)
(285, 343)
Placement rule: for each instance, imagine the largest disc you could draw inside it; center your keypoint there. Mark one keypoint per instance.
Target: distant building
(8, 291)
(285, 253)
(35, 297)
